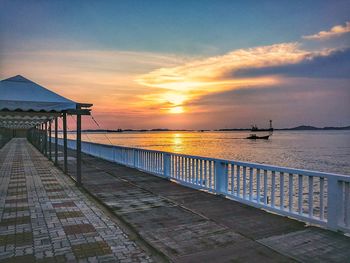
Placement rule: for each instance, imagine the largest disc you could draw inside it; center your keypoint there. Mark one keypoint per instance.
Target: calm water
(327, 151)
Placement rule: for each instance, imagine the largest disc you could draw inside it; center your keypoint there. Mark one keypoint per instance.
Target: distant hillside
(312, 128)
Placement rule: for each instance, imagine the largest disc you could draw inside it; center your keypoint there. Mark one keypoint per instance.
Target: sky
(186, 64)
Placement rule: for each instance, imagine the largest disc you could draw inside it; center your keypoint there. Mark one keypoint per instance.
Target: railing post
(334, 202)
(45, 139)
(134, 152)
(220, 178)
(50, 141)
(78, 150)
(65, 159)
(56, 141)
(166, 162)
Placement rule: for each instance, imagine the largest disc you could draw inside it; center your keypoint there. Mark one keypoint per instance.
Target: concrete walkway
(45, 218)
(192, 226)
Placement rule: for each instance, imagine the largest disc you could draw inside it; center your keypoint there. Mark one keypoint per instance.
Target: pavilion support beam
(37, 137)
(50, 151)
(45, 139)
(65, 163)
(56, 141)
(78, 183)
(42, 138)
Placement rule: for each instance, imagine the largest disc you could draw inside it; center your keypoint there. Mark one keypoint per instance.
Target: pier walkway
(45, 218)
(188, 225)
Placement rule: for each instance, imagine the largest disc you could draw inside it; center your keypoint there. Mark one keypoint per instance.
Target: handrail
(311, 196)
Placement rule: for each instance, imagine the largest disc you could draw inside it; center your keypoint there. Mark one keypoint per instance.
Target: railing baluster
(205, 173)
(273, 186)
(258, 185)
(265, 187)
(232, 179)
(311, 195)
(346, 204)
(244, 182)
(211, 174)
(300, 194)
(182, 161)
(238, 181)
(281, 191)
(200, 172)
(251, 171)
(290, 205)
(185, 170)
(196, 168)
(178, 167)
(321, 198)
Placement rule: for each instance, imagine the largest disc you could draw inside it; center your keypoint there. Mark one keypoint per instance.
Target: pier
(178, 223)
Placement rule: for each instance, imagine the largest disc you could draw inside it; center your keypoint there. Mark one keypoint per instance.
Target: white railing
(314, 197)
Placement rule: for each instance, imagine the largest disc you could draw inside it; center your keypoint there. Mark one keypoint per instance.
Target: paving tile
(64, 204)
(45, 218)
(15, 221)
(78, 229)
(72, 214)
(91, 249)
(312, 245)
(18, 239)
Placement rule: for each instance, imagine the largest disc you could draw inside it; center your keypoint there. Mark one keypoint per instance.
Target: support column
(78, 150)
(50, 151)
(45, 139)
(65, 164)
(56, 141)
(42, 138)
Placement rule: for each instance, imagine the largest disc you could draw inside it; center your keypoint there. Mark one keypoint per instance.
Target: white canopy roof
(24, 104)
(20, 94)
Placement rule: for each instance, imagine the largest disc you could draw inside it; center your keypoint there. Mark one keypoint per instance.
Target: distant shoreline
(298, 128)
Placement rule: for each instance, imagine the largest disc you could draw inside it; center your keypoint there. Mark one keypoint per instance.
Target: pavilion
(29, 110)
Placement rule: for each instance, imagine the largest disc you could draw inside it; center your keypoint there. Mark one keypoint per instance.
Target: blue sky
(126, 49)
(187, 27)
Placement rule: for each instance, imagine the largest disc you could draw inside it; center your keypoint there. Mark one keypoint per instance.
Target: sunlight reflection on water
(327, 151)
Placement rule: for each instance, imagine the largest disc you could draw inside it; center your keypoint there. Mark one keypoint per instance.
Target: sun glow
(176, 87)
(176, 110)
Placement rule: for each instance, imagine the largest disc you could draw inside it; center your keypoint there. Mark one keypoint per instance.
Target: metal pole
(78, 149)
(56, 141)
(45, 138)
(65, 167)
(37, 141)
(42, 138)
(50, 152)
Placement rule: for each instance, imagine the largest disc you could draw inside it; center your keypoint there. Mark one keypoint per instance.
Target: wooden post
(56, 141)
(50, 152)
(78, 150)
(65, 166)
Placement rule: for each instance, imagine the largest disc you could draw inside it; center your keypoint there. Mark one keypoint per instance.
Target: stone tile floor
(45, 218)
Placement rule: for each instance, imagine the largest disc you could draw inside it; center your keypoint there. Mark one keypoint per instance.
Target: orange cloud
(181, 84)
(335, 31)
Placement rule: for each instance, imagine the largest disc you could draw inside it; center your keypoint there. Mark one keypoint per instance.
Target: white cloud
(335, 31)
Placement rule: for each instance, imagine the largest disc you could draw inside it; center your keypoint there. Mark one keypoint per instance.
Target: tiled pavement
(45, 218)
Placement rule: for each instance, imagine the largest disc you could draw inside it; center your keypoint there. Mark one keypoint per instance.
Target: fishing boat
(255, 137)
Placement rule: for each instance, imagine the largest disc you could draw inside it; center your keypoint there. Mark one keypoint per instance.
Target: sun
(176, 110)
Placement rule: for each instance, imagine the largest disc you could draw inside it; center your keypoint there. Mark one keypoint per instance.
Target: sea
(325, 151)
